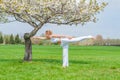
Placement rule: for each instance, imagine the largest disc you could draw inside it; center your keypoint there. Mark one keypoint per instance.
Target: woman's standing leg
(65, 55)
(65, 47)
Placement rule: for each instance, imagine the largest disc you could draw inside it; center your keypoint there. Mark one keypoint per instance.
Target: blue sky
(108, 25)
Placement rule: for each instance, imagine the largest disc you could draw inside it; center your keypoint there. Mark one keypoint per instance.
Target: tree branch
(65, 23)
(30, 21)
(33, 32)
(37, 17)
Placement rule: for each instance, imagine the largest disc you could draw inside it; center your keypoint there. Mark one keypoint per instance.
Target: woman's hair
(48, 33)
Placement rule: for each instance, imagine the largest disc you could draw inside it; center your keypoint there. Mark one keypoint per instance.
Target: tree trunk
(28, 44)
(28, 48)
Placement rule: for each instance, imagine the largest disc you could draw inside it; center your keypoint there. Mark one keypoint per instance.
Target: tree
(12, 41)
(39, 12)
(99, 40)
(17, 39)
(1, 39)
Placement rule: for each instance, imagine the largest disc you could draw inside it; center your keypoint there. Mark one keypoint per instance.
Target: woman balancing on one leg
(64, 40)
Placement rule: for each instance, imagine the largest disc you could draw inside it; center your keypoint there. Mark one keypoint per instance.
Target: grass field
(86, 63)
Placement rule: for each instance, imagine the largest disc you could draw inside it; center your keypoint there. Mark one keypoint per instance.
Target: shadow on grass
(56, 61)
(10, 60)
(60, 61)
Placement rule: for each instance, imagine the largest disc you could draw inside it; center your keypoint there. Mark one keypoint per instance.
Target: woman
(64, 40)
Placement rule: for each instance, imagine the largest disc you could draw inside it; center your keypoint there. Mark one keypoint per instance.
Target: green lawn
(86, 63)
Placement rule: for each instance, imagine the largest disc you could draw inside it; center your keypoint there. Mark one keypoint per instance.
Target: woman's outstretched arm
(60, 36)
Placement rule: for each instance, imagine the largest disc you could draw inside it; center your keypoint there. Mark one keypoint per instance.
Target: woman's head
(48, 33)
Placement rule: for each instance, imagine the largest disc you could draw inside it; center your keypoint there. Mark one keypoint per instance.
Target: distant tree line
(106, 42)
(99, 41)
(10, 39)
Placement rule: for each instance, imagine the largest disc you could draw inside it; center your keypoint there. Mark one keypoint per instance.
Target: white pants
(65, 55)
(65, 45)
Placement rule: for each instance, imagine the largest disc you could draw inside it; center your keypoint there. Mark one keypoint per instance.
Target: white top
(54, 40)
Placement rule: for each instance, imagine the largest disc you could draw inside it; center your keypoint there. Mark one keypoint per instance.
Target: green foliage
(12, 41)
(0, 33)
(1, 39)
(86, 63)
(17, 39)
